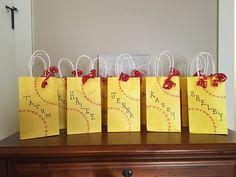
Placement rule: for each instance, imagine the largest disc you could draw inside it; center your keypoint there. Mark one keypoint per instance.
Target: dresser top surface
(111, 142)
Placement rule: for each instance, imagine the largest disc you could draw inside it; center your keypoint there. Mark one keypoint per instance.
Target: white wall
(69, 28)
(226, 54)
(8, 91)
(23, 36)
(234, 64)
(15, 50)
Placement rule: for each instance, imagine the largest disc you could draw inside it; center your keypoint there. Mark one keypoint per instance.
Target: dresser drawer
(3, 168)
(114, 169)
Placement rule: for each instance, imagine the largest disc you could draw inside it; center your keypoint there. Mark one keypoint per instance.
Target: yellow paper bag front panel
(163, 105)
(38, 107)
(184, 101)
(207, 108)
(83, 106)
(123, 105)
(62, 102)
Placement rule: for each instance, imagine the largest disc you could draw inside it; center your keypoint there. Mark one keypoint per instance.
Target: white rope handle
(157, 63)
(186, 66)
(197, 60)
(203, 66)
(91, 66)
(59, 65)
(149, 66)
(42, 55)
(202, 56)
(209, 56)
(170, 55)
(104, 62)
(194, 62)
(43, 61)
(131, 65)
(119, 67)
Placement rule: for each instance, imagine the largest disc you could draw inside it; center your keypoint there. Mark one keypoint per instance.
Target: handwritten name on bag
(77, 102)
(203, 103)
(163, 105)
(123, 104)
(28, 99)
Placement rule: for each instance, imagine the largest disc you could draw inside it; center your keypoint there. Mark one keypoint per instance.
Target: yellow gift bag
(123, 112)
(163, 99)
(38, 102)
(84, 102)
(207, 102)
(62, 86)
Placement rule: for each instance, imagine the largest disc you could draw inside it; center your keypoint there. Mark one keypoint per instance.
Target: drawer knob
(127, 173)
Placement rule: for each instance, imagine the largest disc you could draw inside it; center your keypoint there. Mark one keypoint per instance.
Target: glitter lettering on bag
(163, 105)
(37, 106)
(202, 102)
(123, 104)
(78, 102)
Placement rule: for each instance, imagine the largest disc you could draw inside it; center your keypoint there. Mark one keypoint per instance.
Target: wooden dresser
(108, 154)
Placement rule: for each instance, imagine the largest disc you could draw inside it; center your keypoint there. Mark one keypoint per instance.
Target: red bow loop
(217, 78)
(173, 72)
(168, 83)
(73, 73)
(45, 74)
(202, 82)
(92, 74)
(199, 73)
(44, 83)
(221, 77)
(215, 83)
(78, 72)
(103, 79)
(136, 73)
(49, 73)
(53, 70)
(124, 77)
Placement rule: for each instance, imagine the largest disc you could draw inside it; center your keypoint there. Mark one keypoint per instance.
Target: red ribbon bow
(199, 73)
(168, 83)
(218, 77)
(136, 73)
(49, 73)
(92, 74)
(103, 79)
(215, 80)
(202, 82)
(173, 72)
(124, 77)
(78, 72)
